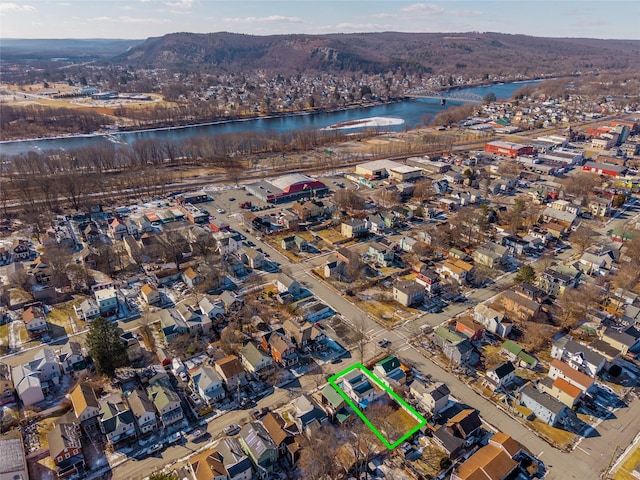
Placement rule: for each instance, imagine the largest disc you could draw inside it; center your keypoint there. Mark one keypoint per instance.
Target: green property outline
(399, 400)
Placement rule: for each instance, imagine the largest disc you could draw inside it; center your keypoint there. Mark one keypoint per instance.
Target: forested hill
(466, 53)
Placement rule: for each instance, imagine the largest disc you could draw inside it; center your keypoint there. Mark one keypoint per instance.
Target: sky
(140, 19)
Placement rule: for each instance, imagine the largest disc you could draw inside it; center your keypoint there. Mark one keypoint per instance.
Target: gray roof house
(260, 448)
(255, 361)
(545, 407)
(578, 356)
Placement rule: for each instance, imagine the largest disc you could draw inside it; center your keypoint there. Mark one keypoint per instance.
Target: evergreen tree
(108, 350)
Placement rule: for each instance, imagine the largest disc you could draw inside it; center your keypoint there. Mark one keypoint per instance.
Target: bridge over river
(445, 95)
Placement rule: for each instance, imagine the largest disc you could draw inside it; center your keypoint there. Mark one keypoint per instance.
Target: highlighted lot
(405, 410)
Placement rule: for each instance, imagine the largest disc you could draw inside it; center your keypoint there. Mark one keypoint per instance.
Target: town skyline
(150, 18)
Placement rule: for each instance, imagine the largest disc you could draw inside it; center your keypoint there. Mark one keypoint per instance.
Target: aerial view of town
(345, 241)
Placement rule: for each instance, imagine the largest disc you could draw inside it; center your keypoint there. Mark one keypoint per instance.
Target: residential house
(231, 371)
(116, 420)
(358, 387)
(85, 406)
(132, 346)
(380, 255)
(306, 336)
(20, 250)
(434, 396)
(531, 292)
(515, 245)
(235, 461)
(353, 228)
(561, 390)
(459, 270)
(212, 309)
(284, 441)
(333, 267)
(255, 361)
(232, 301)
(193, 319)
(91, 234)
(620, 339)
(192, 278)
(171, 325)
(473, 330)
(493, 321)
(545, 407)
(578, 356)
(516, 354)
(286, 284)
(65, 449)
(375, 223)
(313, 311)
(563, 217)
(500, 376)
(282, 350)
(519, 307)
(460, 428)
(132, 227)
(408, 293)
(166, 401)
(88, 310)
(490, 255)
(455, 346)
(334, 404)
(227, 242)
(41, 270)
(35, 321)
(207, 383)
(390, 371)
(13, 462)
(308, 415)
(429, 279)
(555, 280)
(599, 207)
(578, 379)
(5, 255)
(33, 379)
(71, 357)
(117, 229)
(143, 411)
(596, 261)
(308, 210)
(294, 242)
(208, 466)
(150, 294)
(107, 301)
(252, 258)
(260, 447)
(494, 461)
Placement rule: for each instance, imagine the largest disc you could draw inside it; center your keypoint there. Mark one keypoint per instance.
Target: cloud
(180, 4)
(269, 19)
(14, 7)
(423, 9)
(429, 10)
(126, 19)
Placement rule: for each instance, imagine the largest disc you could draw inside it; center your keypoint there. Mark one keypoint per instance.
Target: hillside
(14, 49)
(466, 53)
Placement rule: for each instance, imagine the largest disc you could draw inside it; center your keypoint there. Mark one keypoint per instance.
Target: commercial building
(288, 188)
(376, 169)
(508, 149)
(604, 169)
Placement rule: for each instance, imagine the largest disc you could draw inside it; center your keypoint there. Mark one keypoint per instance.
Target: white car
(220, 210)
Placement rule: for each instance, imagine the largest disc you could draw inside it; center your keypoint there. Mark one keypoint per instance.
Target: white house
(143, 411)
(578, 356)
(434, 397)
(255, 361)
(208, 383)
(107, 301)
(492, 320)
(35, 320)
(501, 375)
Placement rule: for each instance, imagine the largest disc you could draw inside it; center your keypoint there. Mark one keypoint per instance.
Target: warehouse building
(376, 169)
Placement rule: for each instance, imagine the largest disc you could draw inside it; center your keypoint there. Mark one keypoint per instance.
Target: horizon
(142, 19)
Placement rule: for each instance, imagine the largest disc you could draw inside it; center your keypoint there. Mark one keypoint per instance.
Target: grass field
(628, 465)
(561, 438)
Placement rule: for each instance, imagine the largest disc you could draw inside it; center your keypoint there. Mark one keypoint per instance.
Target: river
(412, 111)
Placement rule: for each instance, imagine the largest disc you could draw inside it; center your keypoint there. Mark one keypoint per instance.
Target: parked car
(174, 438)
(232, 429)
(197, 434)
(384, 342)
(155, 448)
